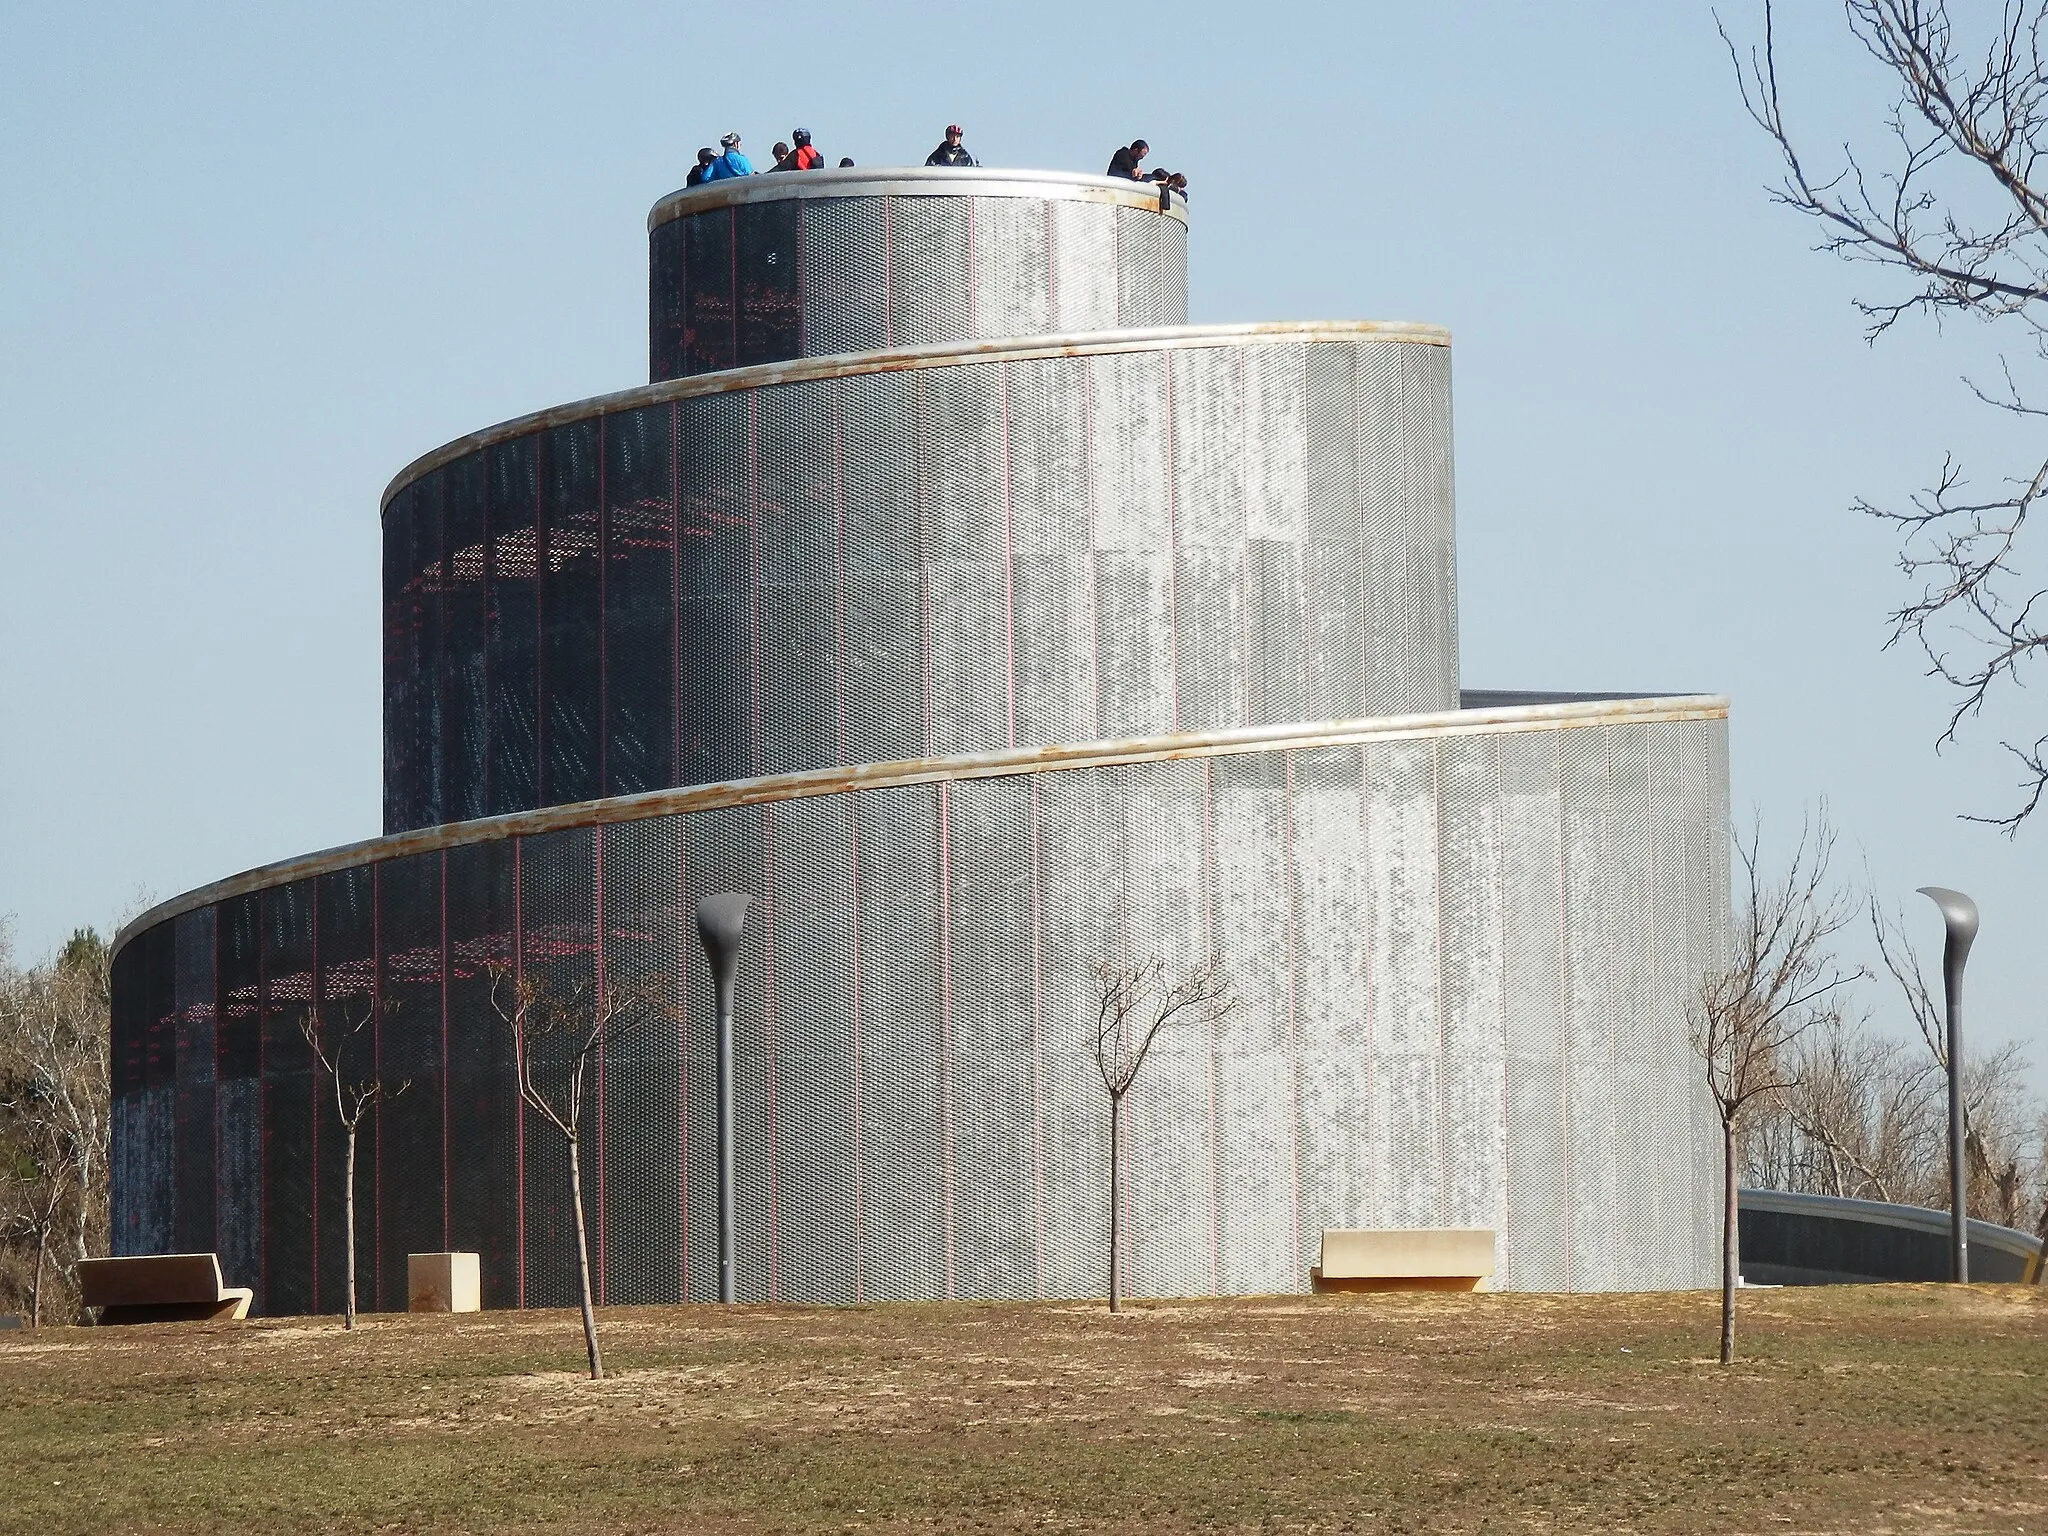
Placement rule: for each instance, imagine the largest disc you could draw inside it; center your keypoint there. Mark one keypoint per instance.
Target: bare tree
(1133, 1004)
(574, 1027)
(54, 1094)
(1747, 1016)
(1951, 219)
(356, 1094)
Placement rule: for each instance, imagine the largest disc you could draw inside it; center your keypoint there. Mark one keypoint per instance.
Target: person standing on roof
(701, 171)
(1124, 162)
(952, 151)
(731, 163)
(803, 157)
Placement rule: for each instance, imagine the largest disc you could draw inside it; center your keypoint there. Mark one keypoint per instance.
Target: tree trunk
(348, 1223)
(1116, 1204)
(35, 1290)
(1729, 1257)
(583, 1264)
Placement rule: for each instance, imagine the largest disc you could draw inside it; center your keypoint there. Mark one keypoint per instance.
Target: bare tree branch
(1958, 218)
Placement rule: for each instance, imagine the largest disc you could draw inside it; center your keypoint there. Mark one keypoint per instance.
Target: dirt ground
(1868, 1410)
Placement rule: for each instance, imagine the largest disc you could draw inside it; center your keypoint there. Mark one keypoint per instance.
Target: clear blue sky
(254, 259)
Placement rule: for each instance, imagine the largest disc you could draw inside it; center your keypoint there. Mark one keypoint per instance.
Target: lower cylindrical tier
(763, 268)
(1462, 948)
(949, 551)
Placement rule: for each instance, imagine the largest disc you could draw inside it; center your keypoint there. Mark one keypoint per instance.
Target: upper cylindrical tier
(812, 263)
(828, 563)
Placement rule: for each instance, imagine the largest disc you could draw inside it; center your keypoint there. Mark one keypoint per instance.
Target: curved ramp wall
(1463, 944)
(950, 551)
(808, 264)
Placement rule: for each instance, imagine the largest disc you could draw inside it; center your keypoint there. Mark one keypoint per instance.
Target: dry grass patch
(1869, 1409)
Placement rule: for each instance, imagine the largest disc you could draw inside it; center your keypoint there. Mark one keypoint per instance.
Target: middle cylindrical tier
(947, 552)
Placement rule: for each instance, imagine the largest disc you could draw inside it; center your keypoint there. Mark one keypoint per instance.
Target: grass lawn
(1866, 1409)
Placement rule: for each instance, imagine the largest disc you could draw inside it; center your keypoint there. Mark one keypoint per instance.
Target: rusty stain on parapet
(1502, 720)
(954, 354)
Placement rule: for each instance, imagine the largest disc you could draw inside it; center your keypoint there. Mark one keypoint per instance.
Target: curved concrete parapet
(1800, 1239)
(806, 264)
(921, 554)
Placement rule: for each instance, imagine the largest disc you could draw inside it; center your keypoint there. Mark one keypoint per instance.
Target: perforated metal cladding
(1411, 930)
(825, 275)
(1152, 269)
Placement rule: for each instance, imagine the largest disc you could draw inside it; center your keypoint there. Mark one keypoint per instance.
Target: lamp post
(720, 922)
(1959, 916)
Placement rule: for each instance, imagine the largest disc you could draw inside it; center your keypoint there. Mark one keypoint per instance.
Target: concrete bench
(161, 1288)
(1405, 1259)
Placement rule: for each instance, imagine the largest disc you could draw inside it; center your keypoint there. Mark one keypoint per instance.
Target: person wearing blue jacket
(731, 163)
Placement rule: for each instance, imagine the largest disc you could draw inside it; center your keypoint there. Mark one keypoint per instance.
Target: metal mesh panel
(987, 1008)
(1383, 514)
(238, 1041)
(1046, 455)
(1530, 1255)
(347, 983)
(1433, 601)
(1401, 805)
(907, 1167)
(819, 1006)
(1470, 964)
(513, 617)
(713, 560)
(1170, 1177)
(647, 945)
(767, 246)
(1012, 266)
(1259, 1215)
(465, 699)
(1084, 266)
(710, 338)
(411, 1027)
(483, 1102)
(1589, 1016)
(846, 276)
(570, 610)
(1078, 868)
(639, 601)
(1333, 891)
(557, 955)
(286, 934)
(192, 940)
(667, 300)
(1152, 269)
(930, 271)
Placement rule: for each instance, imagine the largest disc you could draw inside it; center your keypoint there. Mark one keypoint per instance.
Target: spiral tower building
(952, 596)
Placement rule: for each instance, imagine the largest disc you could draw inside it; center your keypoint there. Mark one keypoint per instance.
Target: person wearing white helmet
(731, 163)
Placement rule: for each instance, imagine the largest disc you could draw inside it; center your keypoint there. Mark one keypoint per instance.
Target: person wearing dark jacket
(1124, 162)
(702, 168)
(803, 157)
(952, 151)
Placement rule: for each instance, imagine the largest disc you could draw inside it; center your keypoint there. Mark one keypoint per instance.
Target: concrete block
(443, 1282)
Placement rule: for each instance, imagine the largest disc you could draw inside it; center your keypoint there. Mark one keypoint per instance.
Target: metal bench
(161, 1288)
(1405, 1259)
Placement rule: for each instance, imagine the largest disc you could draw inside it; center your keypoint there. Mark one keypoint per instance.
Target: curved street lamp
(1959, 915)
(721, 922)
